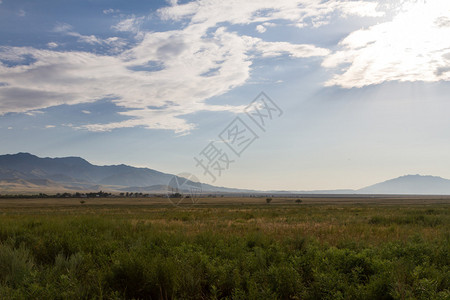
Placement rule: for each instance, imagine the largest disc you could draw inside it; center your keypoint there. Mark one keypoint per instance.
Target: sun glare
(413, 46)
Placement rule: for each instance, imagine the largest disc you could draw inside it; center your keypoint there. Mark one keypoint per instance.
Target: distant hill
(76, 169)
(27, 173)
(24, 172)
(410, 184)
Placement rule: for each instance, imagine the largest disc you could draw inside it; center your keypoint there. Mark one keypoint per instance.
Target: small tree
(268, 200)
(298, 201)
(176, 195)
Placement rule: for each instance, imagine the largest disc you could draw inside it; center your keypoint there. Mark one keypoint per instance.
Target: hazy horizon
(358, 90)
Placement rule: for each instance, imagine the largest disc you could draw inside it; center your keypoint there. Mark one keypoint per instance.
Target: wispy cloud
(202, 59)
(67, 29)
(110, 11)
(52, 45)
(62, 27)
(300, 12)
(411, 47)
(273, 49)
(130, 24)
(34, 112)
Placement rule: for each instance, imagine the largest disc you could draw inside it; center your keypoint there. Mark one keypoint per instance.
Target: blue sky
(363, 86)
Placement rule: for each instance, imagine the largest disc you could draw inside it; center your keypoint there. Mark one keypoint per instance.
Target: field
(225, 248)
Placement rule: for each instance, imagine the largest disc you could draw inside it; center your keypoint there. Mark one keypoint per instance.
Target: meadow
(250, 250)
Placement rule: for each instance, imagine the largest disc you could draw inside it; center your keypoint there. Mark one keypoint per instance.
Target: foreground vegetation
(229, 252)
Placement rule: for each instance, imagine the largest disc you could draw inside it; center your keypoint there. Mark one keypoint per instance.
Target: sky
(269, 95)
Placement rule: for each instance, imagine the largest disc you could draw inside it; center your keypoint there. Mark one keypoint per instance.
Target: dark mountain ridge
(23, 172)
(75, 173)
(70, 169)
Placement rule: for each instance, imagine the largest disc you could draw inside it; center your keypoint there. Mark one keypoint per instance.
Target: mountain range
(27, 173)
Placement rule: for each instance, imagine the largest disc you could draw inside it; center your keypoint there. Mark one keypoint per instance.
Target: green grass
(228, 252)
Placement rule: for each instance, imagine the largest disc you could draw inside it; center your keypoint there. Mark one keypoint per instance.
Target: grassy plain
(225, 248)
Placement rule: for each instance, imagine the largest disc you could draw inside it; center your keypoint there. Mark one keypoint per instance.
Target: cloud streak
(202, 59)
(130, 24)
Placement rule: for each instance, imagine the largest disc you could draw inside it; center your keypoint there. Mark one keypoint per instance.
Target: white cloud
(34, 112)
(52, 45)
(196, 62)
(443, 21)
(360, 8)
(62, 27)
(89, 39)
(86, 112)
(110, 11)
(115, 43)
(50, 126)
(300, 12)
(21, 13)
(272, 49)
(68, 30)
(260, 28)
(131, 24)
(269, 24)
(411, 47)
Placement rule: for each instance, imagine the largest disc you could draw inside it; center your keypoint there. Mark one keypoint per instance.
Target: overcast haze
(363, 86)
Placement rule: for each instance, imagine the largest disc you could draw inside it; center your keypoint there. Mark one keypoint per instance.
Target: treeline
(99, 194)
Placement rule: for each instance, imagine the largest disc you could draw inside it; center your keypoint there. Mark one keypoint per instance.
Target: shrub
(16, 265)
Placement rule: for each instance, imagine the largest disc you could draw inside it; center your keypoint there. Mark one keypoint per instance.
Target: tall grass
(257, 252)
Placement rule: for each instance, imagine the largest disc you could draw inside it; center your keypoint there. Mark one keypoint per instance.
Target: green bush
(16, 266)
